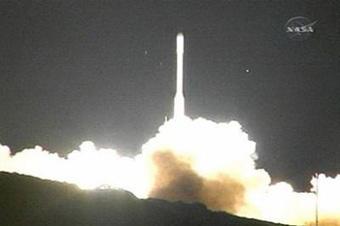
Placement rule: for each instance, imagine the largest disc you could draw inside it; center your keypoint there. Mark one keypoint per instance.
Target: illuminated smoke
(190, 160)
(87, 167)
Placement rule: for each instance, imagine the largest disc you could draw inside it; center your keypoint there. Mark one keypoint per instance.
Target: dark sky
(104, 70)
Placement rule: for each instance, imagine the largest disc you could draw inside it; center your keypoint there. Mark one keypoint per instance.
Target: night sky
(104, 71)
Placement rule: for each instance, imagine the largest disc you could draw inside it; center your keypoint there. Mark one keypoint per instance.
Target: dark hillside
(30, 201)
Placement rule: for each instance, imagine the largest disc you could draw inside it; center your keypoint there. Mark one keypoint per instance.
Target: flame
(190, 160)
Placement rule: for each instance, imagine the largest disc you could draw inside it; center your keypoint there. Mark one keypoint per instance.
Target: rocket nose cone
(180, 42)
(179, 36)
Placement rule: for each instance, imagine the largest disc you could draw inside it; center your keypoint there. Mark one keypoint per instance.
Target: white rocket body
(179, 110)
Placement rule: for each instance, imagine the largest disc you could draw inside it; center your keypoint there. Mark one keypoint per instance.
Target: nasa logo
(299, 28)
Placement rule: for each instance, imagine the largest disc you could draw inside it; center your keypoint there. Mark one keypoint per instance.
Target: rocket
(179, 111)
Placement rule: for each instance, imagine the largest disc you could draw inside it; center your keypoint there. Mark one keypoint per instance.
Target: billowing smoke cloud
(88, 167)
(176, 180)
(189, 160)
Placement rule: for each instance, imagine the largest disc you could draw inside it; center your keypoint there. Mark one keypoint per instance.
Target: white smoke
(87, 167)
(213, 156)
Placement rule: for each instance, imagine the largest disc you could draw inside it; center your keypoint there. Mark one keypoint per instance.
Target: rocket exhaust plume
(193, 160)
(179, 105)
